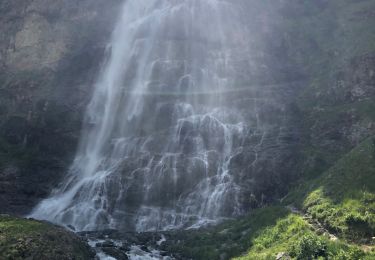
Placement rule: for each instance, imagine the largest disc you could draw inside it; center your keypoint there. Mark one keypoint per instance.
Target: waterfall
(161, 134)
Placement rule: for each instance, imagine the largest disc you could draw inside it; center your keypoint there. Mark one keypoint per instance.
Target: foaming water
(159, 138)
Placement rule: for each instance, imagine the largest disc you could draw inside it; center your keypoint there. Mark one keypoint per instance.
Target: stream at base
(114, 245)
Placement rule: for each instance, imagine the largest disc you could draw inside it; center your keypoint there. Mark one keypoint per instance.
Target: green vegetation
(343, 198)
(24, 239)
(228, 239)
(294, 237)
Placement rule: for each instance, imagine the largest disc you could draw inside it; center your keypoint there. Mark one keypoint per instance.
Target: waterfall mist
(165, 132)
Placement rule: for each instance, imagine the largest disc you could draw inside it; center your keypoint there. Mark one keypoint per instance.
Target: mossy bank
(31, 239)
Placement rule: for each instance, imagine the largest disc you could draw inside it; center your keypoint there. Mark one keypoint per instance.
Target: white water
(135, 252)
(159, 136)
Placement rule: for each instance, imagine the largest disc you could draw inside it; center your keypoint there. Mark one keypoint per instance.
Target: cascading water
(161, 134)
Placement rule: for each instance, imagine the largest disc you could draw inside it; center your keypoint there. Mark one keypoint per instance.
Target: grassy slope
(339, 190)
(343, 198)
(226, 240)
(293, 236)
(30, 239)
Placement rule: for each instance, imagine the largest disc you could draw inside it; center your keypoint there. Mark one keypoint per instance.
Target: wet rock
(107, 243)
(49, 50)
(283, 256)
(116, 253)
(71, 228)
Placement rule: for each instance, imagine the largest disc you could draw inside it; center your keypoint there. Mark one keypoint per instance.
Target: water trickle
(159, 134)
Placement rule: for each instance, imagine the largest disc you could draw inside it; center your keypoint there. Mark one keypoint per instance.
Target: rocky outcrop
(50, 52)
(330, 42)
(30, 239)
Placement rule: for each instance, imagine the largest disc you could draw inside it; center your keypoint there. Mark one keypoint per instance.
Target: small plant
(359, 224)
(351, 253)
(309, 247)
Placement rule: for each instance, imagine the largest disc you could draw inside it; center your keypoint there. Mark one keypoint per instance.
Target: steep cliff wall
(334, 44)
(50, 52)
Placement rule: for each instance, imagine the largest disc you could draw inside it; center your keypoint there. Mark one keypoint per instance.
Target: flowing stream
(160, 134)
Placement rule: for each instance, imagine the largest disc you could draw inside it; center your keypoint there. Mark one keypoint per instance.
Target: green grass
(352, 219)
(31, 239)
(13, 232)
(295, 237)
(343, 198)
(228, 239)
(263, 235)
(278, 238)
(15, 227)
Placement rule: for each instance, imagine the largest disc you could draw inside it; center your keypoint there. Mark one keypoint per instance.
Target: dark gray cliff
(313, 63)
(334, 44)
(50, 52)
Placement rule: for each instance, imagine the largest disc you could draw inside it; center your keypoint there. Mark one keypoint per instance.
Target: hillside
(330, 216)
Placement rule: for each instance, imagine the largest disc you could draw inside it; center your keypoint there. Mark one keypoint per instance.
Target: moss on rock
(31, 239)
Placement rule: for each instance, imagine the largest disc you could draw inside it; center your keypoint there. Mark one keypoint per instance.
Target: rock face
(196, 126)
(315, 98)
(338, 102)
(49, 54)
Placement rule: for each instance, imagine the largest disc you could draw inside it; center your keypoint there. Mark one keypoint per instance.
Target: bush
(358, 224)
(351, 253)
(309, 247)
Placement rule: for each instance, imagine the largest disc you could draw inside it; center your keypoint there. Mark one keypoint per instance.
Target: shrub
(309, 247)
(359, 224)
(351, 253)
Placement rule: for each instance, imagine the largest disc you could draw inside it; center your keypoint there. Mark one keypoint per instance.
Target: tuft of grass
(278, 238)
(11, 226)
